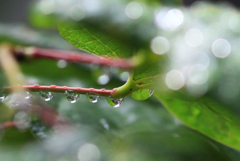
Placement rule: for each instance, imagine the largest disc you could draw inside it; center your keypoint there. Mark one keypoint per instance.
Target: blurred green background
(136, 131)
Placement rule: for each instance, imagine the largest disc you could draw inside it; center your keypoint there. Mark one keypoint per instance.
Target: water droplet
(46, 95)
(71, 96)
(93, 97)
(37, 85)
(150, 91)
(142, 94)
(28, 95)
(115, 102)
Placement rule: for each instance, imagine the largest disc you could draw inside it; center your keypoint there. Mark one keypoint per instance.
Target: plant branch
(36, 52)
(62, 89)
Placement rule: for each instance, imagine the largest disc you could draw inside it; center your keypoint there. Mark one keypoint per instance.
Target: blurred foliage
(141, 131)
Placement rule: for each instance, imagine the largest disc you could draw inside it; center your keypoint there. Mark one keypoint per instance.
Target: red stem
(62, 89)
(75, 57)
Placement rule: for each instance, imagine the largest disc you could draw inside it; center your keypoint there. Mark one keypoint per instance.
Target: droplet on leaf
(93, 97)
(115, 102)
(142, 94)
(150, 91)
(46, 95)
(71, 96)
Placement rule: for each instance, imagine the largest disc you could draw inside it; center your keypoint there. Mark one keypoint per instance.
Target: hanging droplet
(93, 97)
(46, 95)
(28, 95)
(71, 96)
(142, 94)
(150, 91)
(115, 102)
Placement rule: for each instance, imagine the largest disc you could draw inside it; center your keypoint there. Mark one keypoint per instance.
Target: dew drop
(71, 96)
(142, 94)
(150, 91)
(115, 102)
(93, 97)
(28, 95)
(36, 85)
(46, 95)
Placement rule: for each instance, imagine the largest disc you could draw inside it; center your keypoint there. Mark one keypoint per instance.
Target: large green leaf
(204, 115)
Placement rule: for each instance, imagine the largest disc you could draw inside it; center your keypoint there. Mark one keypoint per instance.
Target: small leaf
(205, 116)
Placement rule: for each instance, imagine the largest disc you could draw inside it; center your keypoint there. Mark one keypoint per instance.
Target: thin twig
(36, 52)
(62, 89)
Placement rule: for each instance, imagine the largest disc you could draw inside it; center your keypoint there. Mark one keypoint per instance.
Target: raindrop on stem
(46, 95)
(115, 102)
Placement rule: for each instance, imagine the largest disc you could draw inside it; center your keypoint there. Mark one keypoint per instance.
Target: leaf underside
(204, 115)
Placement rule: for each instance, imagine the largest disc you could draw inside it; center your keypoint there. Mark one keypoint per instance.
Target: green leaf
(204, 115)
(94, 41)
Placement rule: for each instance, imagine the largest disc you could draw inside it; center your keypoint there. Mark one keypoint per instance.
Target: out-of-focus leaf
(205, 116)
(94, 41)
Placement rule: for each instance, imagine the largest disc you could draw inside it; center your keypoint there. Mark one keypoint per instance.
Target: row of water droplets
(73, 97)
